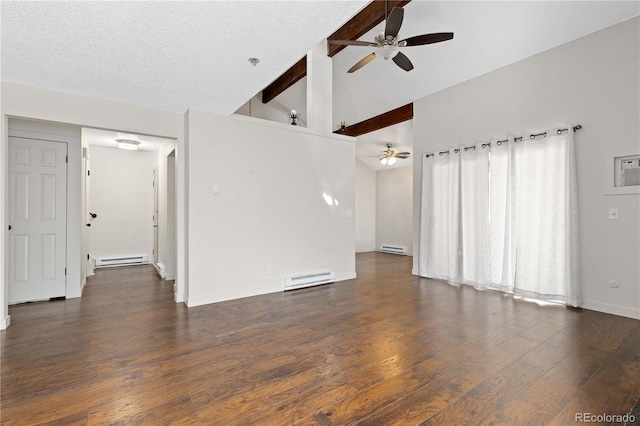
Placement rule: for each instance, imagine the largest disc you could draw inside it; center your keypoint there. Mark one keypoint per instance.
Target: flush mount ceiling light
(126, 143)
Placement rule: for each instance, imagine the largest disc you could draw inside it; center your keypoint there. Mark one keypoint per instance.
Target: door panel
(37, 197)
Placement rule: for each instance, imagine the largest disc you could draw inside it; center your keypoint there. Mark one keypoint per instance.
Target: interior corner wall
(394, 208)
(278, 207)
(122, 197)
(592, 81)
(48, 105)
(365, 208)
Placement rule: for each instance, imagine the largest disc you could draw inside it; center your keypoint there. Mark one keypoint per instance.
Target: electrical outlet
(614, 284)
(269, 269)
(613, 214)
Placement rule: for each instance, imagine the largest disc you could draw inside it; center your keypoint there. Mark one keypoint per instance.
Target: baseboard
(399, 254)
(367, 250)
(178, 298)
(222, 297)
(256, 291)
(4, 323)
(169, 277)
(611, 309)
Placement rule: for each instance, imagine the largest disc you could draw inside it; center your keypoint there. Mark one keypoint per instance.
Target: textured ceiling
(177, 55)
(169, 55)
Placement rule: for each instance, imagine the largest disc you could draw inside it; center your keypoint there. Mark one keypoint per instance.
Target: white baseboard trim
(215, 298)
(611, 309)
(178, 298)
(4, 323)
(169, 277)
(414, 272)
(256, 291)
(367, 250)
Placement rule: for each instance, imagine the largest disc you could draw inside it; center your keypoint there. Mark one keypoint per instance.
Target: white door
(37, 219)
(155, 216)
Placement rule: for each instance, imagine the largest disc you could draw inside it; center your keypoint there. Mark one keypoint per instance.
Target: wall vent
(302, 281)
(393, 250)
(121, 261)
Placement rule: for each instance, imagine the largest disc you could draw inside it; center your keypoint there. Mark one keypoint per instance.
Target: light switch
(613, 214)
(215, 190)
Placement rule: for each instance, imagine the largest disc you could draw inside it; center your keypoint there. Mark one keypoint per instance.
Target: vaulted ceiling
(176, 55)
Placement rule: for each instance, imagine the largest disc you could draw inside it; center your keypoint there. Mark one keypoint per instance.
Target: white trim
(5, 322)
(611, 309)
(610, 173)
(366, 250)
(170, 277)
(179, 298)
(214, 298)
(299, 129)
(256, 291)
(71, 135)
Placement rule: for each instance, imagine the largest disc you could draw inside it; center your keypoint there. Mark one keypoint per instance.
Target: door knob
(88, 224)
(93, 215)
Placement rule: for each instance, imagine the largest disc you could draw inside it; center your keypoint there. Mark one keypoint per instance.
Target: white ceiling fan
(389, 156)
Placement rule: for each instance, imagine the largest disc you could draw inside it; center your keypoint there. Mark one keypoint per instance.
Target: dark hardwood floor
(387, 348)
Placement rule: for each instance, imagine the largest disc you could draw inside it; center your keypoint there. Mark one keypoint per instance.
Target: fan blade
(403, 153)
(401, 156)
(352, 43)
(419, 40)
(403, 62)
(364, 61)
(394, 22)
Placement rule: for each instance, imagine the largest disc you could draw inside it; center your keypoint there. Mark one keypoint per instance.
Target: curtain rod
(516, 139)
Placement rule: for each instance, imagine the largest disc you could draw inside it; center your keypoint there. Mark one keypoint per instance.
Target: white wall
(41, 104)
(122, 197)
(592, 81)
(394, 207)
(166, 209)
(270, 210)
(365, 208)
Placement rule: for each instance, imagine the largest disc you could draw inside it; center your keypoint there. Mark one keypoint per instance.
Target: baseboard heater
(303, 281)
(393, 250)
(121, 261)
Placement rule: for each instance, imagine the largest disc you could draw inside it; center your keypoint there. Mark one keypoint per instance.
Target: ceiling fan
(387, 44)
(389, 155)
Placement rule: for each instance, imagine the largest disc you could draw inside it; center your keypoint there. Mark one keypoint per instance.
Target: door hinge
(66, 160)
(87, 257)
(88, 172)
(65, 272)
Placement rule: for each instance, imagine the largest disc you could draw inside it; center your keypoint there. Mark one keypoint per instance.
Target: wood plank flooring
(385, 349)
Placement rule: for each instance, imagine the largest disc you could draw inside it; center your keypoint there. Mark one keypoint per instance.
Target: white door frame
(61, 133)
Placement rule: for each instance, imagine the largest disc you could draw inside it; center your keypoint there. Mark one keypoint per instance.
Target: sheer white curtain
(504, 216)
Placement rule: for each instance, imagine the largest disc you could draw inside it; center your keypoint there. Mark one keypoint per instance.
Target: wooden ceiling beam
(361, 23)
(286, 80)
(356, 27)
(378, 122)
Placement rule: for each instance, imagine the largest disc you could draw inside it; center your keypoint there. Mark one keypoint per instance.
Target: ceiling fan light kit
(390, 156)
(387, 44)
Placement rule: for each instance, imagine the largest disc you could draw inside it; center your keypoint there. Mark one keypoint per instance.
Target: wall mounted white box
(613, 171)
